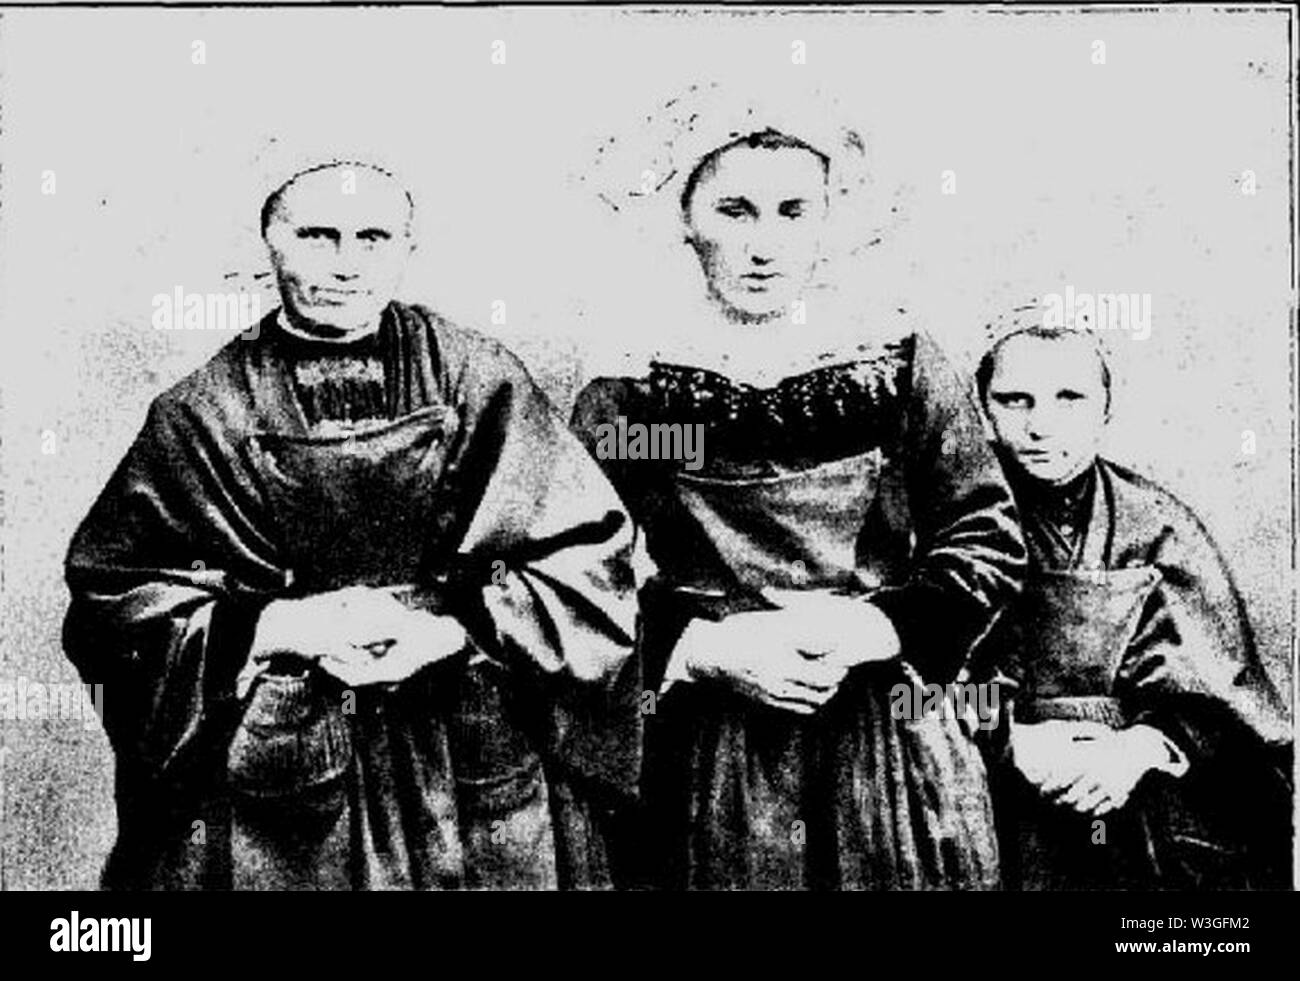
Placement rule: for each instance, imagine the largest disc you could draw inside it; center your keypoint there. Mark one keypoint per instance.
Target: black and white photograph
(649, 449)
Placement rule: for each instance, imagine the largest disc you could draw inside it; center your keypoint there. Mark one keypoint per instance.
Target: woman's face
(755, 221)
(339, 249)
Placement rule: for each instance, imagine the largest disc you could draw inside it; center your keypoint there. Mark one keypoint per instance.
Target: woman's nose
(759, 251)
(345, 264)
(762, 244)
(349, 258)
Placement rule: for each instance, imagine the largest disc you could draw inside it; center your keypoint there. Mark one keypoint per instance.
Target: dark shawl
(1186, 663)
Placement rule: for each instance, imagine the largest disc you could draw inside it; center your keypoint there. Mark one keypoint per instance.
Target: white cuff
(676, 672)
(1175, 762)
(1178, 763)
(678, 663)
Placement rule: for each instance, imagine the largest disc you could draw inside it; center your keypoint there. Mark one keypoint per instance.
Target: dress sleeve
(542, 577)
(969, 558)
(167, 576)
(599, 404)
(1192, 670)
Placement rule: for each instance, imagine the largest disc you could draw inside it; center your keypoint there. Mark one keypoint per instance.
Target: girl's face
(1048, 405)
(755, 220)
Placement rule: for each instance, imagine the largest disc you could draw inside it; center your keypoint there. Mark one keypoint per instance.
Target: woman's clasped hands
(794, 657)
(360, 635)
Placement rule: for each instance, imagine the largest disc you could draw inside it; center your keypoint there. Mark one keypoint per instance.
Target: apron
(431, 783)
(749, 797)
(1072, 630)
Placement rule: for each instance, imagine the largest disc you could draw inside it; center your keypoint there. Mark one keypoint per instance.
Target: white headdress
(641, 175)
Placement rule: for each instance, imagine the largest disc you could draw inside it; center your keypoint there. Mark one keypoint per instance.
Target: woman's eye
(732, 210)
(791, 210)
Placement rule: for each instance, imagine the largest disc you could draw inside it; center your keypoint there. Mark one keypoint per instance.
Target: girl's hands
(1087, 767)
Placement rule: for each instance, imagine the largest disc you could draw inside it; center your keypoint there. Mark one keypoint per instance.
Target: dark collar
(1058, 503)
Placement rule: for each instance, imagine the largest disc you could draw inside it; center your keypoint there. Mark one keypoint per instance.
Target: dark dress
(1130, 616)
(869, 477)
(421, 455)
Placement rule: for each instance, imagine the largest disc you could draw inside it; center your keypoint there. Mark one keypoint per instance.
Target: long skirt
(742, 796)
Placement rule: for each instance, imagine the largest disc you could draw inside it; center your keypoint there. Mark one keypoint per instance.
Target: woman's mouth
(758, 282)
(334, 294)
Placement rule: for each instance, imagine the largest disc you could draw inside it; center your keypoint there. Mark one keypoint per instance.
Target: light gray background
(1115, 177)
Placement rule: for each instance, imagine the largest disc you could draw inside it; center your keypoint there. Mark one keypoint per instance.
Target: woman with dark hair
(847, 534)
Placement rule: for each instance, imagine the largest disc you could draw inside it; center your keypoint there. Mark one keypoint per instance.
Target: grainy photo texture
(648, 449)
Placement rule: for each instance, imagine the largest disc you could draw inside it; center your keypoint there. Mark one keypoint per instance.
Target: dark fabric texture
(1144, 617)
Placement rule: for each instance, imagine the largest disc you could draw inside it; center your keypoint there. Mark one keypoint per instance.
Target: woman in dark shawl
(362, 607)
(848, 532)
